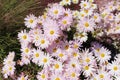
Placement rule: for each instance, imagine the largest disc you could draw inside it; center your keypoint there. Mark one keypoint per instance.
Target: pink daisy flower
(86, 25)
(30, 21)
(51, 29)
(56, 11)
(65, 22)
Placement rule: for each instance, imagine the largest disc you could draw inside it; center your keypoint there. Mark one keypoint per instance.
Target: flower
(9, 65)
(37, 55)
(51, 30)
(67, 2)
(114, 68)
(46, 60)
(61, 54)
(56, 11)
(88, 70)
(65, 23)
(96, 17)
(57, 66)
(75, 1)
(85, 4)
(103, 55)
(82, 36)
(43, 42)
(86, 25)
(57, 76)
(23, 36)
(43, 75)
(30, 21)
(23, 77)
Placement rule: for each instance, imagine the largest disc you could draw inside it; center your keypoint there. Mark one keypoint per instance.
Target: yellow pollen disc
(102, 55)
(82, 15)
(45, 60)
(37, 54)
(54, 50)
(101, 76)
(10, 68)
(66, 14)
(24, 36)
(73, 74)
(42, 41)
(76, 46)
(86, 24)
(31, 21)
(86, 67)
(84, 5)
(22, 78)
(37, 37)
(52, 32)
(86, 11)
(73, 65)
(43, 76)
(95, 17)
(115, 68)
(64, 22)
(66, 47)
(56, 12)
(67, 0)
(87, 60)
(61, 55)
(74, 54)
(57, 41)
(26, 50)
(57, 78)
(56, 66)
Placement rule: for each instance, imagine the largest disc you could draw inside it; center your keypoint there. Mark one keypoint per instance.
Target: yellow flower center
(56, 12)
(57, 78)
(37, 54)
(86, 11)
(87, 60)
(54, 50)
(31, 21)
(66, 47)
(45, 60)
(95, 17)
(26, 50)
(115, 68)
(43, 76)
(76, 46)
(24, 36)
(84, 5)
(56, 66)
(73, 74)
(22, 78)
(73, 65)
(75, 54)
(101, 76)
(64, 22)
(66, 14)
(52, 32)
(42, 41)
(61, 55)
(10, 68)
(86, 24)
(86, 67)
(102, 55)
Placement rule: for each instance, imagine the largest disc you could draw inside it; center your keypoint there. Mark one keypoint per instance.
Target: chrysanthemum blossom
(30, 21)
(86, 25)
(51, 29)
(55, 11)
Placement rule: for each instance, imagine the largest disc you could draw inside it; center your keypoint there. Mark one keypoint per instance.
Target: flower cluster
(47, 43)
(9, 65)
